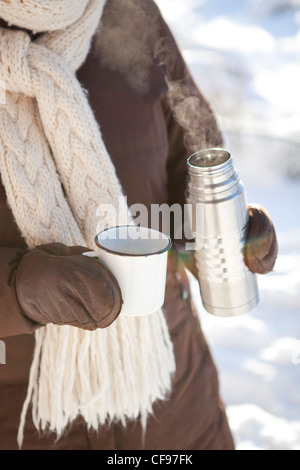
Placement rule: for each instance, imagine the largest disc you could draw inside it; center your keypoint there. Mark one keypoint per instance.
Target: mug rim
(120, 253)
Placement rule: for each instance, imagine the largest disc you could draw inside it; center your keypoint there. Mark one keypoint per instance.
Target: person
(59, 310)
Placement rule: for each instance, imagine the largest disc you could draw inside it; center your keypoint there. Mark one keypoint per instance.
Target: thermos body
(219, 219)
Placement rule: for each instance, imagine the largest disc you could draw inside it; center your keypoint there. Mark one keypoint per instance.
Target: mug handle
(90, 254)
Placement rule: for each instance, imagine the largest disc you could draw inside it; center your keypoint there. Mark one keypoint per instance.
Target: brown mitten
(261, 248)
(57, 284)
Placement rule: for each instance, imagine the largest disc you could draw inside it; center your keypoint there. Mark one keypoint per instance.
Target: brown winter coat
(147, 149)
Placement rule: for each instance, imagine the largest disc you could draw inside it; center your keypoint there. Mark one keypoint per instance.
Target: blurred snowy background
(245, 57)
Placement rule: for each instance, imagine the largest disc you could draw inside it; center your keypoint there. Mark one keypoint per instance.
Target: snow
(244, 55)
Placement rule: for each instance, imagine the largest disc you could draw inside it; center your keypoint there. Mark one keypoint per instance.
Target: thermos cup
(137, 257)
(218, 220)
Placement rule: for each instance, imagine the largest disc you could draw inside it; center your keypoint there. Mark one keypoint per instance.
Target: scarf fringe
(108, 375)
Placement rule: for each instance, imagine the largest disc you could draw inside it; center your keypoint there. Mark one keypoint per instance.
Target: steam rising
(127, 38)
(130, 40)
(195, 117)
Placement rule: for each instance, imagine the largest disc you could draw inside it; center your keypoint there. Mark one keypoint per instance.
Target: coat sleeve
(191, 125)
(12, 320)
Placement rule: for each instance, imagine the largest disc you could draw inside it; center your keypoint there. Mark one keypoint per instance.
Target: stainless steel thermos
(218, 222)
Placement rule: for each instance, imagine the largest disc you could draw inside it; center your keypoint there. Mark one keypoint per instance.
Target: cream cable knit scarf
(49, 137)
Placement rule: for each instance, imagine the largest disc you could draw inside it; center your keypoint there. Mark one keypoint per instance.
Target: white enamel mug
(137, 257)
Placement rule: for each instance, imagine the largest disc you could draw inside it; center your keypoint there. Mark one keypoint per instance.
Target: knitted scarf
(57, 172)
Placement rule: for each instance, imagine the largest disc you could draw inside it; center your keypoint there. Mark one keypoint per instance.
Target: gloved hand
(261, 248)
(57, 284)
